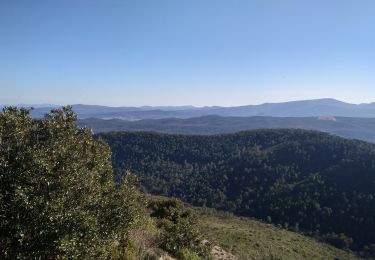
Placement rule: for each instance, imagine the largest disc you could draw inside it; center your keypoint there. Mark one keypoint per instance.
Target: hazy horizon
(41, 105)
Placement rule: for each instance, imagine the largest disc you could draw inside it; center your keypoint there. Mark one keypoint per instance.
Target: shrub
(57, 194)
(179, 228)
(338, 240)
(186, 254)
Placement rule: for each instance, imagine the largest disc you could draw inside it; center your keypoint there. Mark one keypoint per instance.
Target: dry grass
(251, 239)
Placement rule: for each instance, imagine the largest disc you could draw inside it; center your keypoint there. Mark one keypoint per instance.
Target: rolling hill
(251, 239)
(240, 238)
(304, 180)
(355, 128)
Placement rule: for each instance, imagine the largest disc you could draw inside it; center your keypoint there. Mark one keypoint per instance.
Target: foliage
(180, 235)
(57, 194)
(303, 180)
(338, 240)
(186, 254)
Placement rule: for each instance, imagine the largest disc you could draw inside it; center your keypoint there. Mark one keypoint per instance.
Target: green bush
(57, 194)
(338, 240)
(186, 254)
(179, 228)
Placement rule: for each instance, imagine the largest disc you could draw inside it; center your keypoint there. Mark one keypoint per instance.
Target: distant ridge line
(304, 108)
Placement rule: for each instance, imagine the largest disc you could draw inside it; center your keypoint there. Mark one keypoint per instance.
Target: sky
(192, 52)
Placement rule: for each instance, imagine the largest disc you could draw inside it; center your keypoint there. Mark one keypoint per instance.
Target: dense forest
(304, 180)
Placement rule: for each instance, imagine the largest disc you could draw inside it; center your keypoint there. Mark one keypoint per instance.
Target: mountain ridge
(353, 128)
(299, 108)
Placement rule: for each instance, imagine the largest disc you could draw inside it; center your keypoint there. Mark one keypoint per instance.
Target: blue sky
(195, 52)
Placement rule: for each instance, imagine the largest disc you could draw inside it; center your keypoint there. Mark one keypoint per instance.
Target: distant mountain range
(355, 121)
(354, 128)
(304, 108)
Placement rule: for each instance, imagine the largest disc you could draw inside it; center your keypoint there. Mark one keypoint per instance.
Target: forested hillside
(305, 180)
(59, 200)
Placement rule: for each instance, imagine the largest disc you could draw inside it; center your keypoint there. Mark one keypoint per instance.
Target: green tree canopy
(57, 194)
(304, 180)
